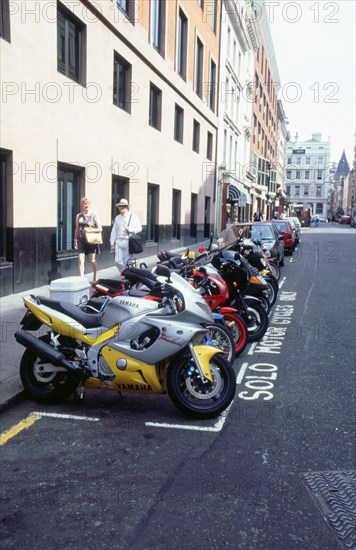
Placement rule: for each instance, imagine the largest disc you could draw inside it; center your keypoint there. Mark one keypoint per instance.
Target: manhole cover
(335, 494)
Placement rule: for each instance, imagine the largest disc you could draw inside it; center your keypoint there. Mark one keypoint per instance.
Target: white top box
(70, 283)
(76, 290)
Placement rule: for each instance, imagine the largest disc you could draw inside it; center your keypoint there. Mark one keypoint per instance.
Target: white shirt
(121, 223)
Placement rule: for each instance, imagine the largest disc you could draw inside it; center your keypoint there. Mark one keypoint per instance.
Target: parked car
(345, 219)
(272, 240)
(295, 221)
(353, 221)
(286, 229)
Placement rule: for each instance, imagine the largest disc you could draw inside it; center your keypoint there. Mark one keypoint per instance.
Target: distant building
(308, 174)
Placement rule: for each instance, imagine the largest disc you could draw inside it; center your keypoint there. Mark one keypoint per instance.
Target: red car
(345, 219)
(289, 234)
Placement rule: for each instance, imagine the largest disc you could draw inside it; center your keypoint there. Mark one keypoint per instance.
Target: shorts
(85, 248)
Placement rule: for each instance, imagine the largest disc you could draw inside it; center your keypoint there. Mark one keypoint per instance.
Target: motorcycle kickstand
(79, 393)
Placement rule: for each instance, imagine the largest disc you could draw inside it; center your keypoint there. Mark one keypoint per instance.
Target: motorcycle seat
(88, 320)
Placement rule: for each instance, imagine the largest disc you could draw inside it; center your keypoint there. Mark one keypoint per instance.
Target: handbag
(93, 238)
(135, 242)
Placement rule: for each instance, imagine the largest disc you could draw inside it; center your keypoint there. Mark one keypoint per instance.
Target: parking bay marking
(33, 417)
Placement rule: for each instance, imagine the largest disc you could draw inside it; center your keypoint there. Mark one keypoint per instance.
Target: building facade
(106, 100)
(309, 175)
(239, 43)
(265, 117)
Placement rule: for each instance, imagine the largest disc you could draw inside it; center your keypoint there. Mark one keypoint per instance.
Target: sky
(314, 44)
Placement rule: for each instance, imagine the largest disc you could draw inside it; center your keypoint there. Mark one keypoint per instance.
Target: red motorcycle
(216, 293)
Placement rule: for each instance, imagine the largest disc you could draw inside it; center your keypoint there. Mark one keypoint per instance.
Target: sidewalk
(12, 311)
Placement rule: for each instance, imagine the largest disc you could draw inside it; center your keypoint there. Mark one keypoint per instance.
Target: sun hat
(123, 202)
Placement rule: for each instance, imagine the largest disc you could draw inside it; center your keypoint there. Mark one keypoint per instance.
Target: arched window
(319, 208)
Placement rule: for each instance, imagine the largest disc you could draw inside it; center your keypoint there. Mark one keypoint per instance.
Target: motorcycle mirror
(163, 271)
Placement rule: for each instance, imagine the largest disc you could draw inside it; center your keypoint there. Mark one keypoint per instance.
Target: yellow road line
(23, 425)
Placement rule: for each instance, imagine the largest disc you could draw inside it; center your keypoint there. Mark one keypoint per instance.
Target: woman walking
(84, 220)
(125, 224)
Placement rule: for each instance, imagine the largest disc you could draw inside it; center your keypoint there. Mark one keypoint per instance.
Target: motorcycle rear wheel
(275, 270)
(258, 325)
(238, 329)
(199, 398)
(47, 387)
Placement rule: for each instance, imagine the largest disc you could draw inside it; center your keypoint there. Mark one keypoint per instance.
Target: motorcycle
(133, 284)
(133, 345)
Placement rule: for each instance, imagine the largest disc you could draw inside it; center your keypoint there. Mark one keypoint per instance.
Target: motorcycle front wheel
(220, 337)
(200, 398)
(43, 381)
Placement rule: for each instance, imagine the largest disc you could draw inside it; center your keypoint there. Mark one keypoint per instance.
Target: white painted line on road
(242, 372)
(218, 424)
(282, 282)
(251, 351)
(65, 416)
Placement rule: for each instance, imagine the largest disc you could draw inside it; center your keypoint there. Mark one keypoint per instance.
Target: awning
(238, 195)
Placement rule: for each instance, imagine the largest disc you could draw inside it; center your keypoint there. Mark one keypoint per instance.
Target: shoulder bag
(135, 242)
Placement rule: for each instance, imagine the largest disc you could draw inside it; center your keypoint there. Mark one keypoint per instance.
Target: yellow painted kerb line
(23, 425)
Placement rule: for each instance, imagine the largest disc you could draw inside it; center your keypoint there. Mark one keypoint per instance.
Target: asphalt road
(134, 473)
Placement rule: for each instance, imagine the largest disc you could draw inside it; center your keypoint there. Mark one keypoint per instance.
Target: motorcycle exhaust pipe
(44, 351)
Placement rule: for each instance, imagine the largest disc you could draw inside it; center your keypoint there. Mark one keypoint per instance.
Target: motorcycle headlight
(267, 254)
(263, 262)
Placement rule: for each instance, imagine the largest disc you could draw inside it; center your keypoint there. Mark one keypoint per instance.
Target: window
(297, 175)
(5, 20)
(155, 114)
(176, 209)
(127, 7)
(6, 171)
(196, 136)
(299, 161)
(119, 189)
(212, 86)
(178, 123)
(318, 191)
(158, 24)
(288, 190)
(70, 45)
(152, 212)
(207, 218)
(306, 191)
(307, 174)
(307, 160)
(209, 146)
(122, 83)
(320, 175)
(319, 208)
(296, 191)
(68, 191)
(193, 214)
(289, 174)
(182, 45)
(213, 15)
(199, 58)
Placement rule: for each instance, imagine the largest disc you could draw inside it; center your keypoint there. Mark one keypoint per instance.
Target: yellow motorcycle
(150, 344)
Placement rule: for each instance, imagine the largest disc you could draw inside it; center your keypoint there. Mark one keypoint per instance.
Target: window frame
(66, 224)
(178, 123)
(155, 108)
(158, 25)
(152, 212)
(126, 88)
(209, 145)
(196, 136)
(70, 21)
(199, 67)
(182, 44)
